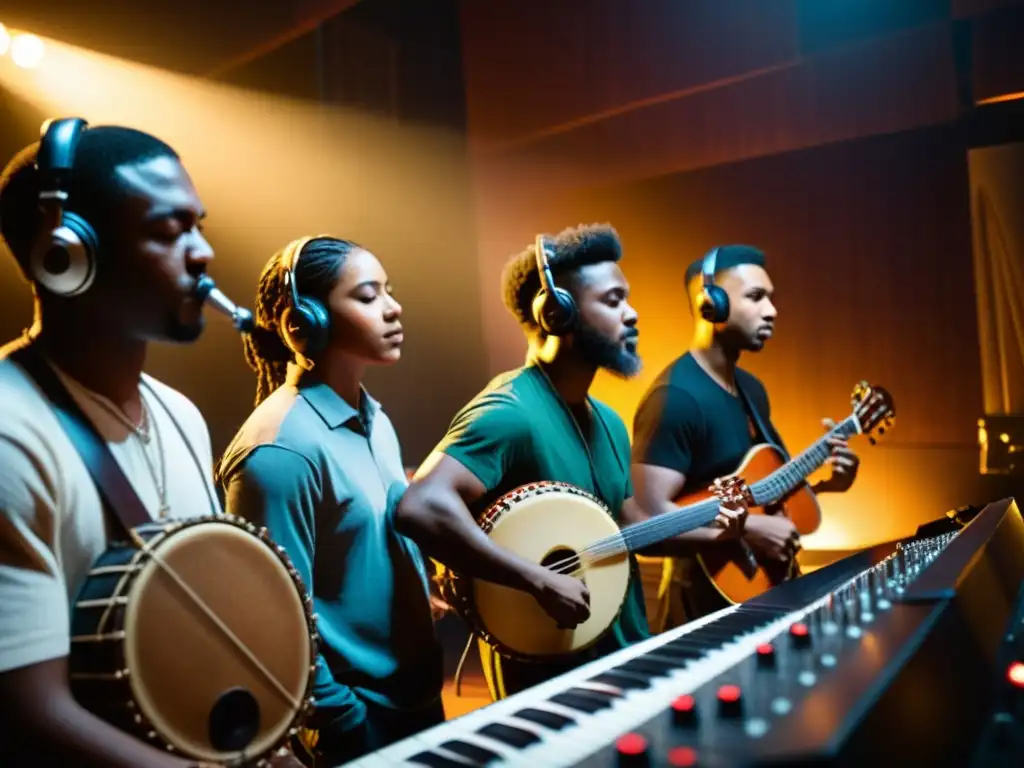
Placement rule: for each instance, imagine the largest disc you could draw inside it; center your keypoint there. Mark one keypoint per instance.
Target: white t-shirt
(52, 523)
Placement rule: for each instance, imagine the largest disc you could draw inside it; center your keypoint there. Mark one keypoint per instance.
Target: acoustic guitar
(778, 487)
(568, 530)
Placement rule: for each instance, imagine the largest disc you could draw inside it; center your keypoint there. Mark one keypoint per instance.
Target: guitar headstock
(732, 491)
(874, 409)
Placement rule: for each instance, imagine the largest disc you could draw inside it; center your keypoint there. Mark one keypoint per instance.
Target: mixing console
(887, 656)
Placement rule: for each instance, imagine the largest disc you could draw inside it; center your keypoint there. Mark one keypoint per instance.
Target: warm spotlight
(5, 39)
(27, 51)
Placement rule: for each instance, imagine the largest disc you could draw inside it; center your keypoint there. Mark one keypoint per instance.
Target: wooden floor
(473, 695)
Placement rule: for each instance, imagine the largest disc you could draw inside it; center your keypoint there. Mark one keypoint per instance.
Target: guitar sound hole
(560, 559)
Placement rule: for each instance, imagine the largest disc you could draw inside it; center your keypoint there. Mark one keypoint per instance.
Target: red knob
(632, 750)
(682, 757)
(684, 710)
(730, 701)
(801, 634)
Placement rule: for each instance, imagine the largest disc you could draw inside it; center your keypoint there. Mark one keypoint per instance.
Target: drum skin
(535, 521)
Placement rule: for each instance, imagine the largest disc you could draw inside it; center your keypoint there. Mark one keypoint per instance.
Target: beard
(181, 332)
(602, 352)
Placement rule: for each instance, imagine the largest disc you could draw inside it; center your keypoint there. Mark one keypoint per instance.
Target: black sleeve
(666, 427)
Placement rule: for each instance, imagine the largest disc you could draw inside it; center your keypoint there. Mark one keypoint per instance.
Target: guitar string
(776, 483)
(613, 544)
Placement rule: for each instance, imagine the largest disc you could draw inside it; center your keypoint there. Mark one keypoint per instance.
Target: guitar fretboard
(777, 484)
(786, 478)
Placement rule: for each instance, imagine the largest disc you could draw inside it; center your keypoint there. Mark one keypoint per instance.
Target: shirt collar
(329, 405)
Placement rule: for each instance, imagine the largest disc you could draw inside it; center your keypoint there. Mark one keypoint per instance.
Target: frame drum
(200, 640)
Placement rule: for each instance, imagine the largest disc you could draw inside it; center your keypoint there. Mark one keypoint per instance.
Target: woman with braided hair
(318, 463)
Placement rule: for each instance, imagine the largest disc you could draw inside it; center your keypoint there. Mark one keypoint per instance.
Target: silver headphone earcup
(61, 263)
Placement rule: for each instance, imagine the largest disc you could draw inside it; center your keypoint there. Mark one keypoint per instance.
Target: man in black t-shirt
(694, 423)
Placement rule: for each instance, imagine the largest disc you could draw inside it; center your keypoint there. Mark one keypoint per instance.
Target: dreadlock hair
(94, 186)
(571, 249)
(316, 273)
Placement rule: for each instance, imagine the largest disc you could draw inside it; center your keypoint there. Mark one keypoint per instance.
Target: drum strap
(119, 498)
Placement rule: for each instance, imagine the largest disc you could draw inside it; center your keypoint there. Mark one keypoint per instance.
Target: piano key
(477, 754)
(580, 701)
(552, 720)
(622, 681)
(435, 760)
(649, 665)
(508, 734)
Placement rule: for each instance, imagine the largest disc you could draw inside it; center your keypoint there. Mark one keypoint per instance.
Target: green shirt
(518, 430)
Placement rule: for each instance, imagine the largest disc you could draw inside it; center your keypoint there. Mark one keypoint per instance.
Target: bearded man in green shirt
(540, 423)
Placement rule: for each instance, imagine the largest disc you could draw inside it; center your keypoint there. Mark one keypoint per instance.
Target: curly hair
(571, 249)
(316, 273)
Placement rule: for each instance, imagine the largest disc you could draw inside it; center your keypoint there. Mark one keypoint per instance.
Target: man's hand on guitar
(732, 517)
(773, 536)
(565, 598)
(844, 462)
(732, 512)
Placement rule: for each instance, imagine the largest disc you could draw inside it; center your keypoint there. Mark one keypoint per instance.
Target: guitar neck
(789, 476)
(699, 514)
(640, 535)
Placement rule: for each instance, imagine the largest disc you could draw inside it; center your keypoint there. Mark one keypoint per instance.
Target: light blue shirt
(325, 479)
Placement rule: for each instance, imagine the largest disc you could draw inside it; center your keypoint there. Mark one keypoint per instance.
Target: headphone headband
(290, 261)
(56, 157)
(547, 282)
(710, 263)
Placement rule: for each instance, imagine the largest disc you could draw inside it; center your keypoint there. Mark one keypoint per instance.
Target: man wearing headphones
(703, 413)
(104, 224)
(539, 423)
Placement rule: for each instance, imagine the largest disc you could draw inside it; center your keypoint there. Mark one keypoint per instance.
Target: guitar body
(732, 568)
(543, 522)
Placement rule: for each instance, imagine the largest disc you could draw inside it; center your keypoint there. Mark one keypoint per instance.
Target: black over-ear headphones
(712, 301)
(554, 309)
(63, 257)
(306, 324)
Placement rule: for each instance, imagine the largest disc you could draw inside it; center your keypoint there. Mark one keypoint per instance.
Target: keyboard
(797, 673)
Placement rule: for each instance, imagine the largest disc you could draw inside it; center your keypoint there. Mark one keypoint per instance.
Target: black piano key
(675, 661)
(621, 681)
(695, 645)
(478, 755)
(552, 720)
(435, 760)
(675, 652)
(508, 734)
(648, 666)
(581, 702)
